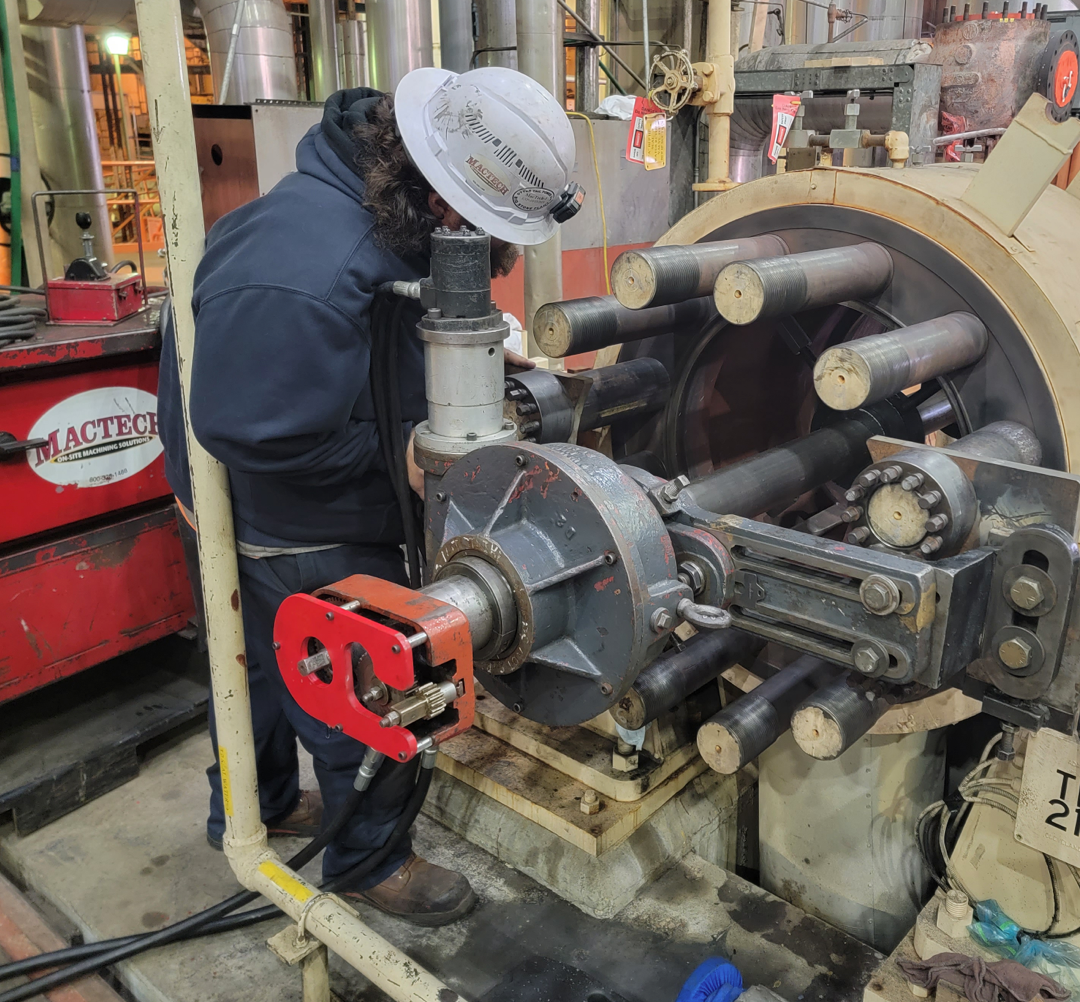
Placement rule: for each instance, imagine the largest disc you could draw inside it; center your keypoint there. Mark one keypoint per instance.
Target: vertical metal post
(496, 33)
(322, 22)
(353, 55)
(539, 35)
(315, 974)
(587, 72)
(720, 84)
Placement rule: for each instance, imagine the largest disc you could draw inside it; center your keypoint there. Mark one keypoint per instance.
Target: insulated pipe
(353, 57)
(675, 675)
(257, 867)
(870, 369)
(322, 23)
(455, 35)
(831, 720)
(264, 65)
(658, 276)
(496, 33)
(539, 49)
(67, 142)
(778, 476)
(578, 325)
(772, 287)
(399, 40)
(743, 729)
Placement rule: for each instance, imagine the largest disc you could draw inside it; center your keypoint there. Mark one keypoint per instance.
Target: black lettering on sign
(1051, 819)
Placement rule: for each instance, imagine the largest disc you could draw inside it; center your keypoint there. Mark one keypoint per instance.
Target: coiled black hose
(18, 322)
(89, 958)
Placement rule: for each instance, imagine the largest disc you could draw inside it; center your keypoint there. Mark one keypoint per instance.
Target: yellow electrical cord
(599, 192)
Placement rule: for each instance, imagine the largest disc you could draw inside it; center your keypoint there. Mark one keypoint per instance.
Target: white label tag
(1048, 818)
(96, 437)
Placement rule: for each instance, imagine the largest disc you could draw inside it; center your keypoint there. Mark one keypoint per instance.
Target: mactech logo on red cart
(96, 437)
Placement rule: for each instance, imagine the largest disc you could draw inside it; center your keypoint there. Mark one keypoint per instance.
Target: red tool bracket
(336, 702)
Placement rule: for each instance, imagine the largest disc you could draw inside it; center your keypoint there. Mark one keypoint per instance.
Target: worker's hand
(416, 475)
(516, 360)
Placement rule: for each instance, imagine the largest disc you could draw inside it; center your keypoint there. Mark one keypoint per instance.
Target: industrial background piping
(255, 865)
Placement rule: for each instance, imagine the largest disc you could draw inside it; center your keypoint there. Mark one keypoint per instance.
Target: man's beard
(503, 259)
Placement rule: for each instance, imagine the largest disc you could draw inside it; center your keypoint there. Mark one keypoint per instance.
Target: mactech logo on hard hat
(495, 145)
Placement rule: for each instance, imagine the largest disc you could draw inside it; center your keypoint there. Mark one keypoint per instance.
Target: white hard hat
(493, 143)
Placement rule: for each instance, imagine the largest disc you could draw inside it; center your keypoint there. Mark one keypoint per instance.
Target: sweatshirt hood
(328, 150)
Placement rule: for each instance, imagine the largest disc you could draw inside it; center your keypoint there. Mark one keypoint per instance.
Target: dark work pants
(278, 721)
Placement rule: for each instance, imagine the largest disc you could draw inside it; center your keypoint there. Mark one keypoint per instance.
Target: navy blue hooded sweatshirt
(280, 387)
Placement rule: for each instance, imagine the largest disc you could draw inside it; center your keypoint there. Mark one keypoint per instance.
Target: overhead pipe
(256, 866)
(539, 48)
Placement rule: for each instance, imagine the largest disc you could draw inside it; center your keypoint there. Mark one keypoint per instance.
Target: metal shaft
(937, 412)
(831, 720)
(778, 476)
(1006, 440)
(771, 287)
(745, 728)
(870, 369)
(675, 675)
(579, 325)
(659, 276)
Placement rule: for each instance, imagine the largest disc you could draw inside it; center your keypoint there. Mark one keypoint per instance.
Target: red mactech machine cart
(91, 563)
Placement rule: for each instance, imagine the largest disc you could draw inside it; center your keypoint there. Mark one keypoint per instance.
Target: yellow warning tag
(655, 141)
(226, 786)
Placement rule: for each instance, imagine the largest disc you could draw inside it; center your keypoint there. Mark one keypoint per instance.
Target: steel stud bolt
(912, 481)
(856, 493)
(929, 499)
(890, 473)
(852, 514)
(936, 522)
(859, 535)
(930, 545)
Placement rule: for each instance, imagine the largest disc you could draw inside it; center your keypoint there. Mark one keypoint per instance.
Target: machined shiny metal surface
(660, 276)
(322, 25)
(455, 35)
(579, 325)
(870, 369)
(771, 287)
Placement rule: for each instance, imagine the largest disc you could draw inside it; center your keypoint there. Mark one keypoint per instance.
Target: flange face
(587, 559)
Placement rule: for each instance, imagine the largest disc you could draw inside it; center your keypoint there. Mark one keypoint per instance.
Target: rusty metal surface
(989, 68)
(70, 603)
(56, 343)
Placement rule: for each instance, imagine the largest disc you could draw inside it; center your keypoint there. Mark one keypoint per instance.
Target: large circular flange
(589, 563)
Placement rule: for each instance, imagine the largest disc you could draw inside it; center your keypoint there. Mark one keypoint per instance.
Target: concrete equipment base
(702, 819)
(137, 858)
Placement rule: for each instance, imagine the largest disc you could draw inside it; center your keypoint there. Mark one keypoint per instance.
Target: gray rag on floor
(999, 981)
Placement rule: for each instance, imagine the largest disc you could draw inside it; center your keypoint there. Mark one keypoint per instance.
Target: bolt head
(440, 496)
(662, 621)
(1015, 653)
(879, 595)
(1026, 592)
(671, 490)
(890, 473)
(857, 493)
(520, 460)
(606, 688)
(912, 481)
(470, 436)
(859, 536)
(868, 661)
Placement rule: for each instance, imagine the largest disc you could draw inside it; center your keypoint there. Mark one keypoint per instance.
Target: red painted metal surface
(335, 700)
(107, 301)
(100, 449)
(79, 600)
(53, 344)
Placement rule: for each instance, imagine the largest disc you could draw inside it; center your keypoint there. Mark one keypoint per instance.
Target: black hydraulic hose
(212, 920)
(210, 916)
(124, 264)
(18, 322)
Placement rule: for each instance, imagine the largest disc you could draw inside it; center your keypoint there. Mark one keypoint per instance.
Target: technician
(280, 394)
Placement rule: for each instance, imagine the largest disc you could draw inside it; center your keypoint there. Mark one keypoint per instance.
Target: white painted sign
(96, 437)
(1048, 818)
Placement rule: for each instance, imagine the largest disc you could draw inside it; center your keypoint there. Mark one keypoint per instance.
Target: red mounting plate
(302, 617)
(336, 703)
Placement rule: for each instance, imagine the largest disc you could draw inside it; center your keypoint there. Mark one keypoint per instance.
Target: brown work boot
(421, 893)
(304, 822)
